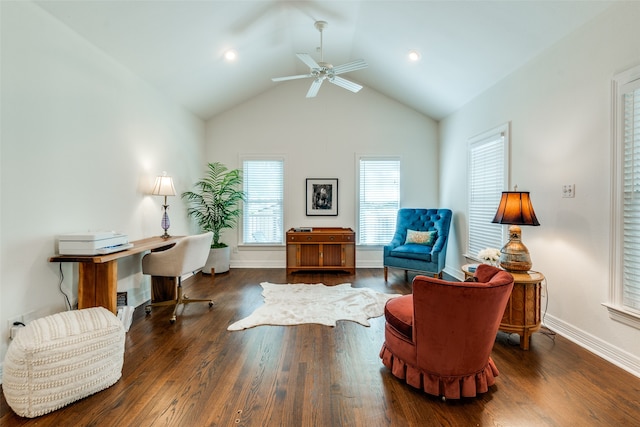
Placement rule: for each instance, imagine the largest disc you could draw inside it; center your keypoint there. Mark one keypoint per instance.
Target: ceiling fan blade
(311, 63)
(358, 64)
(300, 76)
(339, 81)
(315, 87)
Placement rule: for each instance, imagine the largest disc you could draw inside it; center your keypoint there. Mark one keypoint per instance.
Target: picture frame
(322, 196)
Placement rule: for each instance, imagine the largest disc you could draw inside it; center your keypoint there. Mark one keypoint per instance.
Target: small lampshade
(515, 208)
(163, 186)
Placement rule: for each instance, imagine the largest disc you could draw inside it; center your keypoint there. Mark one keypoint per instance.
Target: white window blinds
(487, 180)
(631, 195)
(379, 199)
(263, 209)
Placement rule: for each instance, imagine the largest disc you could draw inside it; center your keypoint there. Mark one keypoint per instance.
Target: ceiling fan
(321, 71)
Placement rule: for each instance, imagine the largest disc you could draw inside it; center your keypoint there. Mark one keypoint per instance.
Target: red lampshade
(515, 208)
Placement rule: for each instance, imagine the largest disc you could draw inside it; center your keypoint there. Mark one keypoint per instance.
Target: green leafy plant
(215, 202)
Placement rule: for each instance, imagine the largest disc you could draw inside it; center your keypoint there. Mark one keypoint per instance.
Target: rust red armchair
(439, 339)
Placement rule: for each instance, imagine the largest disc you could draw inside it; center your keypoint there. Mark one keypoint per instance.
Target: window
(262, 215)
(624, 304)
(488, 176)
(379, 191)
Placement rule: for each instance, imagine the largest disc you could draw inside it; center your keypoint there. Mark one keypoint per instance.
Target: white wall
(82, 142)
(82, 139)
(321, 138)
(559, 108)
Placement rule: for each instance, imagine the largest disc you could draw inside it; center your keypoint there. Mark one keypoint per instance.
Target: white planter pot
(219, 259)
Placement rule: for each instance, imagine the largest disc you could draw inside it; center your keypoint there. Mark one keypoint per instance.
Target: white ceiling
(466, 46)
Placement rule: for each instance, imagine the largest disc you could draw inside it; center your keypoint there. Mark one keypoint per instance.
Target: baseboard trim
(279, 264)
(610, 353)
(457, 273)
(254, 264)
(454, 272)
(368, 264)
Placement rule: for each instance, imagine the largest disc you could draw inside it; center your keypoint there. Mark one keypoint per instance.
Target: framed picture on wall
(322, 196)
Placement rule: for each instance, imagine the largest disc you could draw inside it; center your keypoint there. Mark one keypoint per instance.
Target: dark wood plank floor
(196, 373)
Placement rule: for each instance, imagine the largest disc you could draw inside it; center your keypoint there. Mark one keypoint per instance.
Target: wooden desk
(98, 274)
(522, 314)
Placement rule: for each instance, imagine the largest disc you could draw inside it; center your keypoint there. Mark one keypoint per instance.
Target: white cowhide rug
(295, 304)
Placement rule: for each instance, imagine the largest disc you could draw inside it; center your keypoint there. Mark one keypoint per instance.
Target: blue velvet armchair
(420, 241)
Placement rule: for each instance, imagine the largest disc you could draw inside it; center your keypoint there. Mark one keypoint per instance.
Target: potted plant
(215, 205)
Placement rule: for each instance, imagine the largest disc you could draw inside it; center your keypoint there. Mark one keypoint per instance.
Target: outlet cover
(121, 299)
(568, 190)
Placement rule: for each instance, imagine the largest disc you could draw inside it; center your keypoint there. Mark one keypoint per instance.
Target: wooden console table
(98, 274)
(522, 315)
(321, 249)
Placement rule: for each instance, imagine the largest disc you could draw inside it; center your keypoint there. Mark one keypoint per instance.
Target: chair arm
(395, 242)
(391, 246)
(164, 263)
(438, 252)
(386, 250)
(164, 255)
(439, 245)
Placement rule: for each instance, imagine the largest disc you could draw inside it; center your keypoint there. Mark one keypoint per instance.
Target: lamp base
(165, 223)
(514, 255)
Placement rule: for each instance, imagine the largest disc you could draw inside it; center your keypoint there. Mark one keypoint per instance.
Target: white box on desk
(89, 243)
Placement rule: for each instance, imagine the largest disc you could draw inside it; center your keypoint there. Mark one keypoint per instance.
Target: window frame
(366, 157)
(617, 310)
(258, 245)
(488, 137)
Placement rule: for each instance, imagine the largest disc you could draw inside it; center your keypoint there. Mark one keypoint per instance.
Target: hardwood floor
(196, 373)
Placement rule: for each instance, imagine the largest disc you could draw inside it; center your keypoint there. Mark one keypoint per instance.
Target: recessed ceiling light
(231, 55)
(414, 55)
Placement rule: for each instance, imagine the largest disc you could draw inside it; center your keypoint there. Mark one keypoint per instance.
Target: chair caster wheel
(210, 304)
(147, 310)
(172, 321)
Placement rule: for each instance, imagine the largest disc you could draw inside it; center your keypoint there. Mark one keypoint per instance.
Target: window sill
(472, 259)
(622, 315)
(375, 247)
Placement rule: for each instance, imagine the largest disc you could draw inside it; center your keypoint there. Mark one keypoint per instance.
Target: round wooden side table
(522, 315)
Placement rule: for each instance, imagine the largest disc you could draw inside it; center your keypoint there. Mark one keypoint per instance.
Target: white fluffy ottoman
(62, 358)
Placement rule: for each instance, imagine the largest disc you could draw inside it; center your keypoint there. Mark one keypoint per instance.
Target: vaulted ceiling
(465, 46)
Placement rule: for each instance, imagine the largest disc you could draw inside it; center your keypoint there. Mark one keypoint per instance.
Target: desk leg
(163, 288)
(98, 285)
